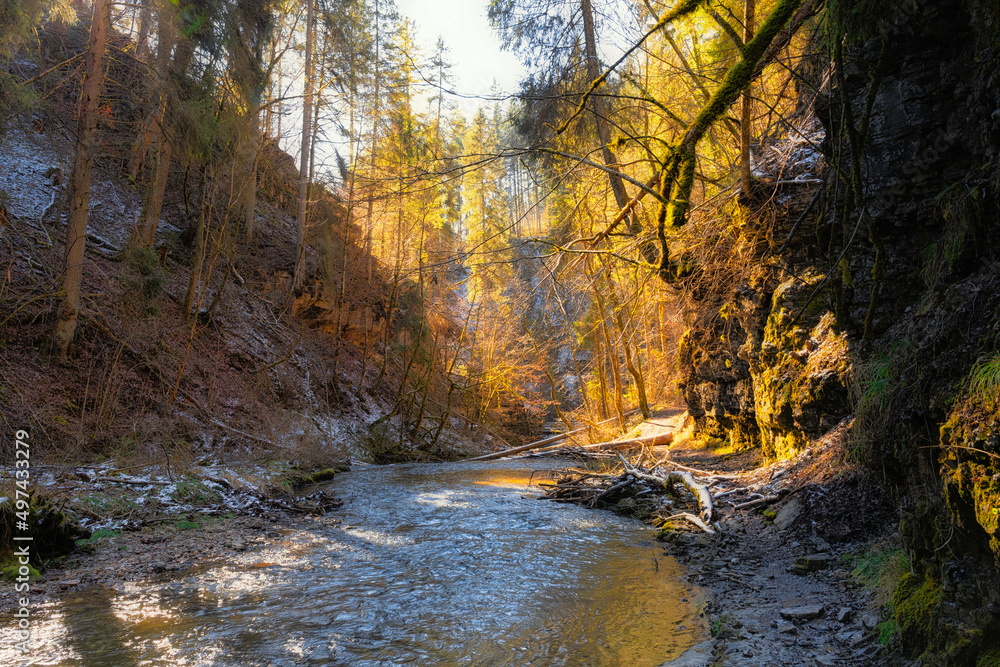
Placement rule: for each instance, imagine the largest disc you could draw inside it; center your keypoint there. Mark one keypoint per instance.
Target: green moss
(857, 20)
(54, 532)
(192, 490)
(886, 632)
(970, 440)
(90, 543)
(802, 370)
(306, 479)
(990, 659)
(10, 569)
(916, 607)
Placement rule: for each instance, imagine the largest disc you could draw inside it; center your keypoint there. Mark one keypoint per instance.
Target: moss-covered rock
(916, 607)
(10, 570)
(54, 531)
(970, 461)
(800, 371)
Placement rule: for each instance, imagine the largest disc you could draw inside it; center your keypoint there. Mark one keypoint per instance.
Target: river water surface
(425, 564)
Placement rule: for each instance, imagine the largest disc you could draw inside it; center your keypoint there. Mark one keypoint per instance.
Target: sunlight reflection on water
(439, 564)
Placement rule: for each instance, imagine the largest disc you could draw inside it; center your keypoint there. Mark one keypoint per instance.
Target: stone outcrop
(889, 307)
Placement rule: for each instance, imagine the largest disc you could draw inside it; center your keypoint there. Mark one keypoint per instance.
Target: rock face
(767, 364)
(927, 295)
(887, 305)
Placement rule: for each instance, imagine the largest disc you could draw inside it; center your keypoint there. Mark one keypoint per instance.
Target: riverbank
(801, 580)
(133, 525)
(791, 580)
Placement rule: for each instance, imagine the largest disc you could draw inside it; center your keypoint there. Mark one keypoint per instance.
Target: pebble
(844, 615)
(812, 563)
(802, 613)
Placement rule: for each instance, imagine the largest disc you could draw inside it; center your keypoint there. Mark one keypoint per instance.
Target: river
(425, 564)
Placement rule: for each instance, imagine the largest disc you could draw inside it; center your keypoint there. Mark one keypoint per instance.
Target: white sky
(474, 50)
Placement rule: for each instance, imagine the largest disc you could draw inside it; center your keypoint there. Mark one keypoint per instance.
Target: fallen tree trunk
(687, 516)
(641, 486)
(542, 443)
(659, 439)
(528, 447)
(699, 491)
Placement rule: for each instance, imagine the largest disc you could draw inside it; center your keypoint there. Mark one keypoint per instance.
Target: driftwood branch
(137, 482)
(693, 519)
(524, 448)
(754, 503)
(659, 439)
(700, 491)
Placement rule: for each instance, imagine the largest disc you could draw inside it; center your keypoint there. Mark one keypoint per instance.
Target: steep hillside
(260, 371)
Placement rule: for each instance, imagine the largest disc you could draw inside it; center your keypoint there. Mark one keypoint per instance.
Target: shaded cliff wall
(927, 284)
(885, 303)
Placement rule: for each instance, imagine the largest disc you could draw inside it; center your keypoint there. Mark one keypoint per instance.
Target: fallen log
(699, 491)
(540, 443)
(137, 482)
(754, 503)
(659, 439)
(528, 447)
(687, 516)
(705, 473)
(607, 490)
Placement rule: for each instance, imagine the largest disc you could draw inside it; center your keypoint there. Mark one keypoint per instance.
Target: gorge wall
(879, 297)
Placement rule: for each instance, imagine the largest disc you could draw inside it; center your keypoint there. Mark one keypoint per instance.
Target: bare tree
(79, 187)
(303, 198)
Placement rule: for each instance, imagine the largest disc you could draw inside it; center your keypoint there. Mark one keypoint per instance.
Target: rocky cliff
(883, 300)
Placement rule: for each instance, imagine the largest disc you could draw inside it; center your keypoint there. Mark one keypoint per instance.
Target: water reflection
(425, 564)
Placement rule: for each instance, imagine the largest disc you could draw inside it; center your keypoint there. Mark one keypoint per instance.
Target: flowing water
(443, 564)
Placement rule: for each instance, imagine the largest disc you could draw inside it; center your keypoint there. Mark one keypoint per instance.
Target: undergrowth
(880, 569)
(984, 380)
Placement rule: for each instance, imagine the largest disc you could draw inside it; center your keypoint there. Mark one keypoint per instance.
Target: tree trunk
(304, 162)
(142, 39)
(601, 113)
(79, 189)
(747, 111)
(200, 246)
(374, 147)
(250, 187)
(152, 131)
(601, 377)
(150, 219)
(635, 370)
